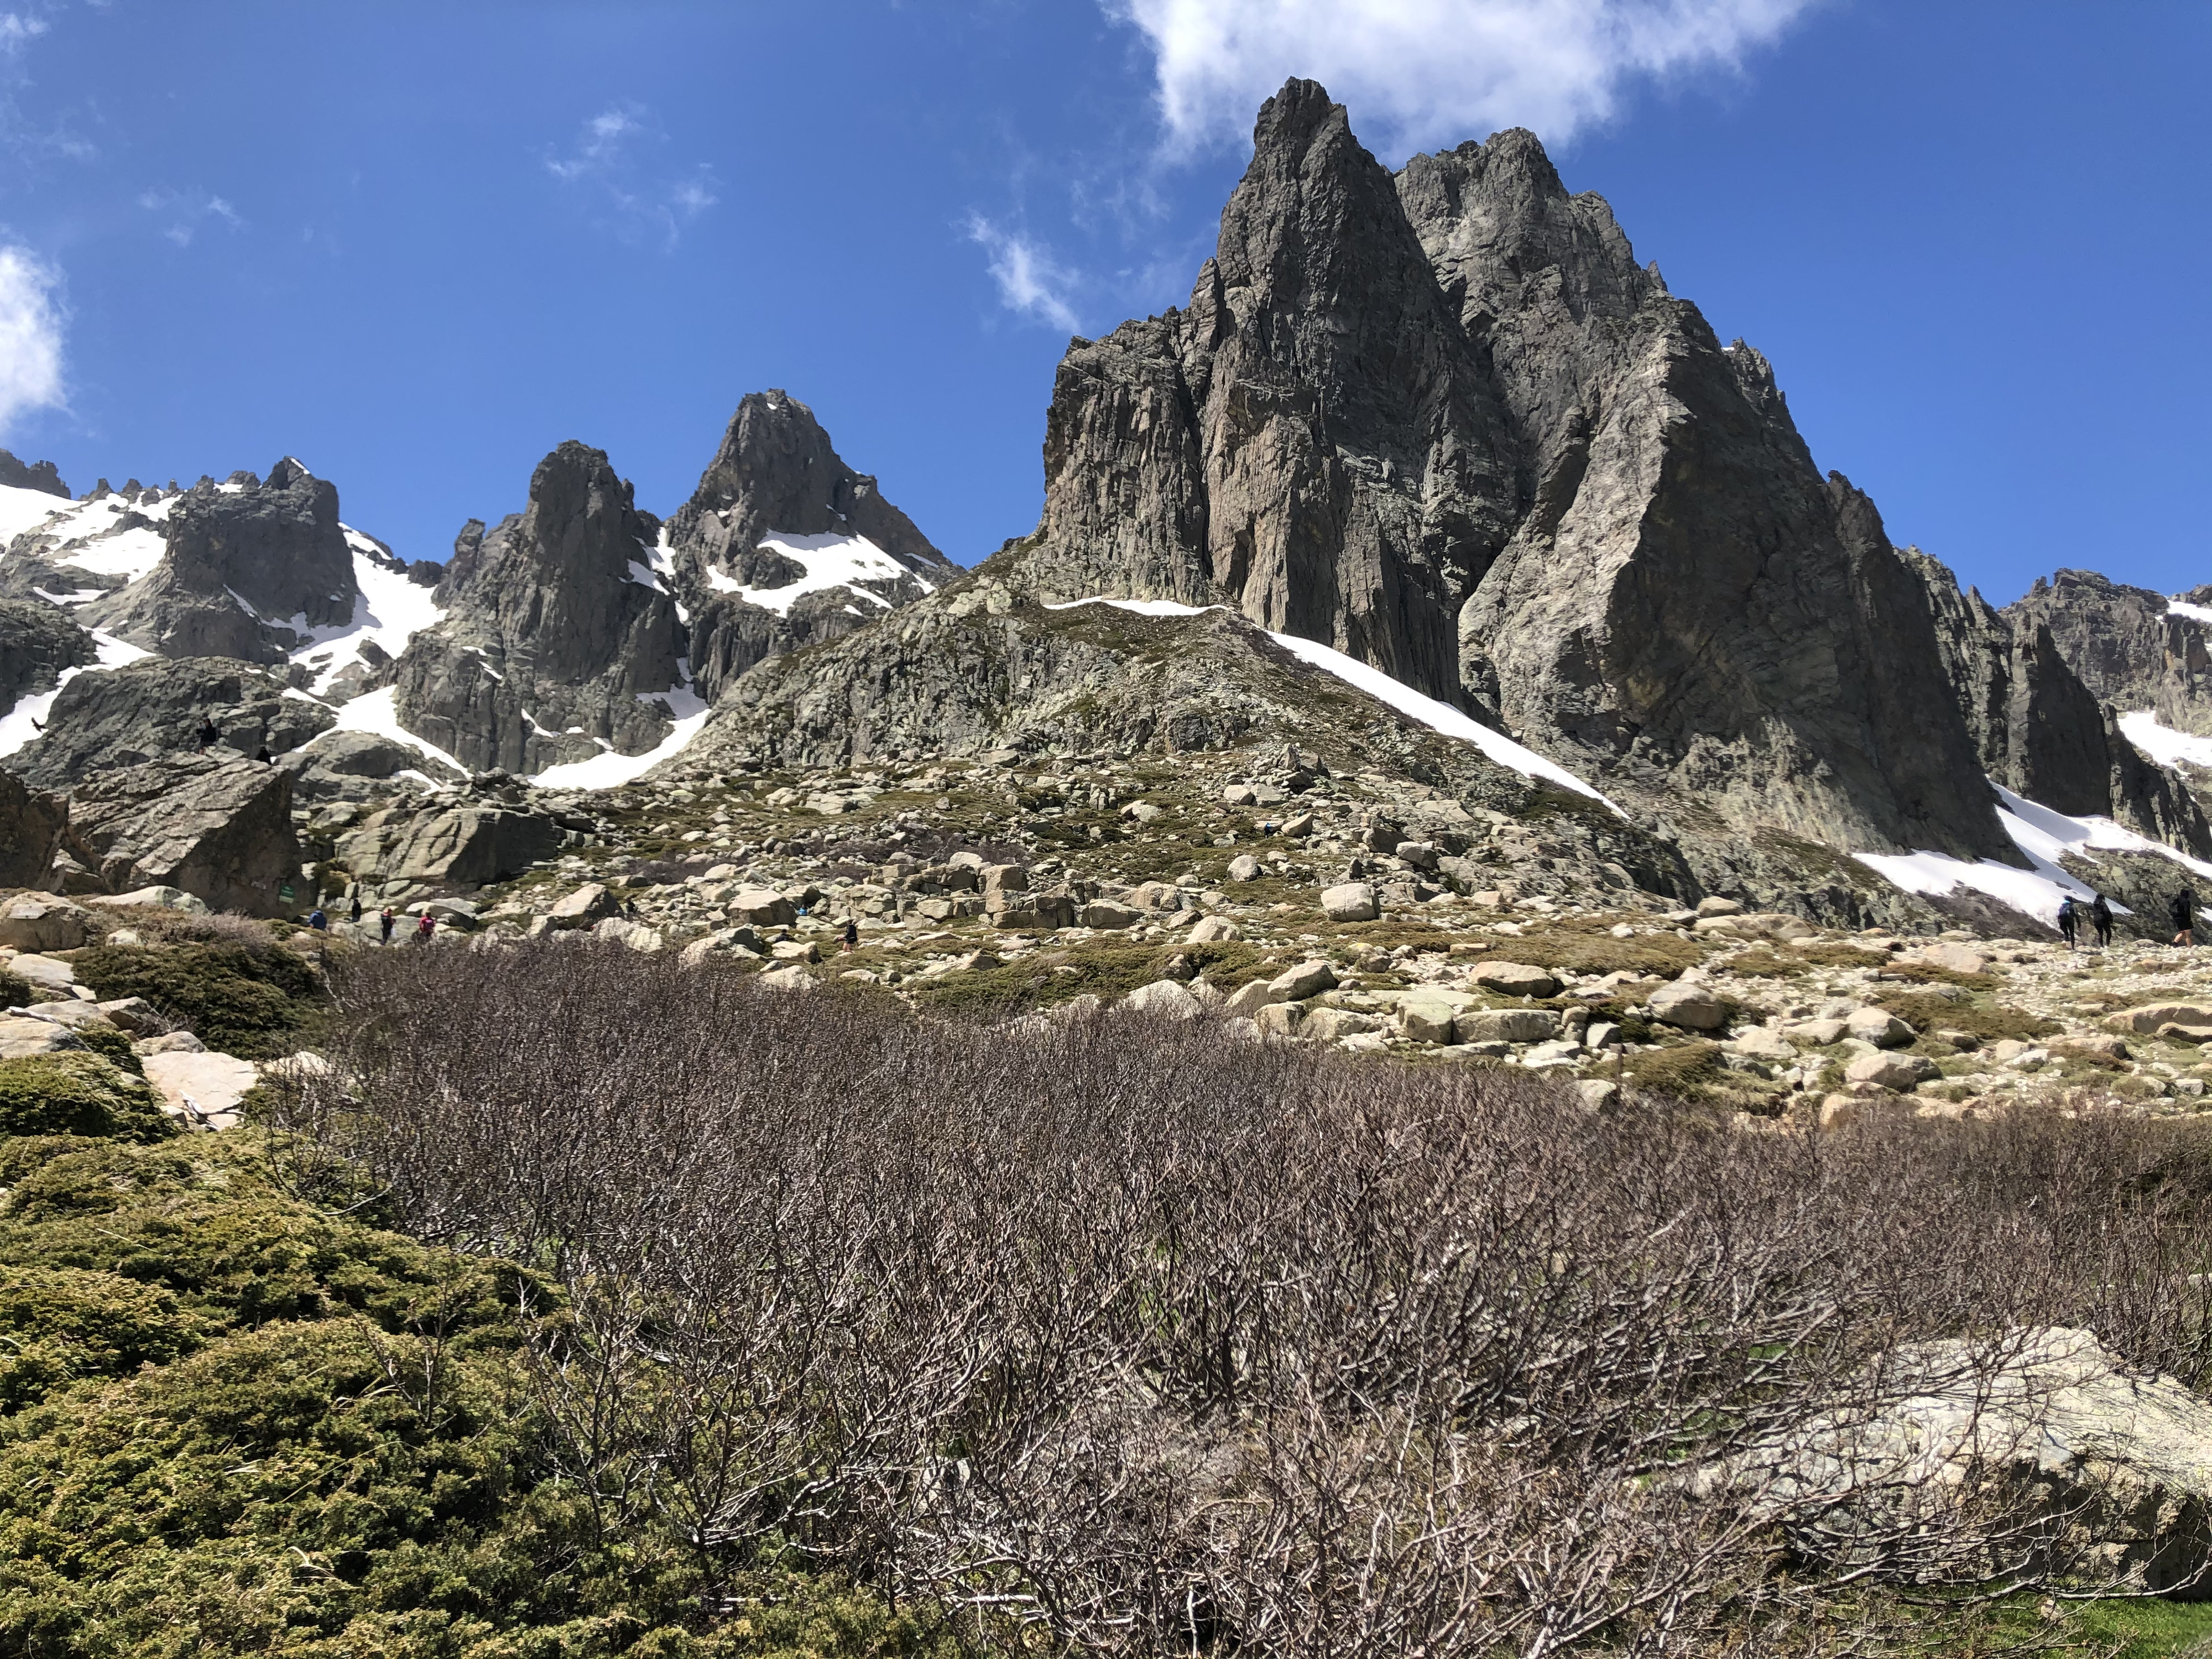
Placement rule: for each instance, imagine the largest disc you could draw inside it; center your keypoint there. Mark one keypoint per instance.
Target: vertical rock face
(37, 642)
(220, 829)
(31, 822)
(2127, 644)
(557, 641)
(777, 474)
(1311, 442)
(246, 566)
(1444, 423)
(2037, 729)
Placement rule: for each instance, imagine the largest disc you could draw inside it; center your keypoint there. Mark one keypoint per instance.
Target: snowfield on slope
(19, 726)
(389, 609)
(2162, 743)
(2041, 834)
(829, 561)
(1427, 711)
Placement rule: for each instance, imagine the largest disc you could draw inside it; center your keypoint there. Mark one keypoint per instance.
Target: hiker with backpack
(2100, 917)
(2069, 920)
(2184, 917)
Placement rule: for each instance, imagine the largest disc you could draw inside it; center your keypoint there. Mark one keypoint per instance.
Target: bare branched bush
(1152, 1341)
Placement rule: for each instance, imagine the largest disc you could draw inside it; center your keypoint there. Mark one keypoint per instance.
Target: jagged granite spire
(1444, 423)
(554, 628)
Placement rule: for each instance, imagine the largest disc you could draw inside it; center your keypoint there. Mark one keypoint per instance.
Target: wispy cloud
(186, 210)
(1032, 283)
(1418, 73)
(18, 29)
(608, 167)
(32, 322)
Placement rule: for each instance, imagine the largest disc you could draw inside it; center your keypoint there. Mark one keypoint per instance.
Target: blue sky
(418, 246)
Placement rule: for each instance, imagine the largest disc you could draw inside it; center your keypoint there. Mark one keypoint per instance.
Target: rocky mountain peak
(777, 471)
(557, 635)
(1443, 421)
(41, 475)
(246, 566)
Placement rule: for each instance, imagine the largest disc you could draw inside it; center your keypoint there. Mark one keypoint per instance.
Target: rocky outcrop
(777, 473)
(247, 568)
(463, 846)
(41, 475)
(31, 822)
(2037, 729)
(1443, 423)
(2127, 645)
(558, 639)
(105, 718)
(37, 643)
(220, 829)
(351, 765)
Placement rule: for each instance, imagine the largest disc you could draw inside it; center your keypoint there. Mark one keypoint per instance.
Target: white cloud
(185, 209)
(608, 161)
(31, 321)
(1030, 281)
(1419, 73)
(18, 31)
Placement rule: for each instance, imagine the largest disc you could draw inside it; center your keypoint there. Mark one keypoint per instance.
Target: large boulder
(1350, 901)
(43, 924)
(2115, 1463)
(108, 718)
(351, 765)
(221, 831)
(1514, 979)
(31, 822)
(458, 847)
(1692, 1007)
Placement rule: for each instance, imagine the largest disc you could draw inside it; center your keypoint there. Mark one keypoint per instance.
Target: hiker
(262, 755)
(2184, 917)
(208, 734)
(424, 926)
(2069, 919)
(386, 921)
(2100, 916)
(318, 921)
(355, 917)
(852, 936)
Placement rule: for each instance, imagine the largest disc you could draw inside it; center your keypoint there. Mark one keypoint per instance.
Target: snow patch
(2194, 612)
(2043, 836)
(389, 609)
(130, 554)
(610, 770)
(829, 561)
(1429, 712)
(19, 726)
(27, 509)
(2162, 743)
(377, 712)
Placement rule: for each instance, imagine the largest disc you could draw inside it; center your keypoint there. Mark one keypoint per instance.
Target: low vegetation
(253, 997)
(1085, 1336)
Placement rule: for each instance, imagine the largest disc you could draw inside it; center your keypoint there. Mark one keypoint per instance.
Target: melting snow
(2043, 836)
(377, 712)
(17, 727)
(2162, 743)
(829, 560)
(27, 509)
(1436, 716)
(2195, 612)
(609, 770)
(390, 610)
